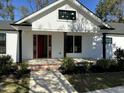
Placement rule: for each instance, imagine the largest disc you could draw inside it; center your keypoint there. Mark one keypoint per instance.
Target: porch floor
(43, 64)
(53, 64)
(57, 61)
(44, 61)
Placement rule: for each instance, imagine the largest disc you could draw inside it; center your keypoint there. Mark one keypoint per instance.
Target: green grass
(9, 84)
(95, 81)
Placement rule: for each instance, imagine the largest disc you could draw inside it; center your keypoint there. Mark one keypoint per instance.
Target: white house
(63, 28)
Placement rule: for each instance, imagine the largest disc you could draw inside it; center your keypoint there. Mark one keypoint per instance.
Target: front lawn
(94, 81)
(9, 84)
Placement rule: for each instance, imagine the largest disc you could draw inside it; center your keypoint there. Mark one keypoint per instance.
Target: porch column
(65, 35)
(104, 45)
(20, 45)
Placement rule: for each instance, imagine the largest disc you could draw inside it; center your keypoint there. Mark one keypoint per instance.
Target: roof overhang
(21, 24)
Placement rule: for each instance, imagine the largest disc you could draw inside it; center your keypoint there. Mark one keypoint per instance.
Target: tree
(1, 5)
(7, 10)
(38, 4)
(24, 11)
(110, 10)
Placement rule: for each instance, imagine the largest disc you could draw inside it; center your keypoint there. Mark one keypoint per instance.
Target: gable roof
(75, 2)
(119, 27)
(5, 26)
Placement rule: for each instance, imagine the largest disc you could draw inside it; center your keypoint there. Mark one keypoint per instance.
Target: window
(69, 44)
(67, 15)
(2, 43)
(74, 44)
(78, 45)
(108, 40)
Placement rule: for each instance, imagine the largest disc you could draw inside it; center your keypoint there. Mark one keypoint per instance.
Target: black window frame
(108, 40)
(4, 43)
(72, 46)
(67, 15)
(77, 44)
(69, 44)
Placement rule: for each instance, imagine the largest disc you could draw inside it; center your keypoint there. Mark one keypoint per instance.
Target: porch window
(77, 44)
(108, 40)
(74, 44)
(2, 43)
(69, 44)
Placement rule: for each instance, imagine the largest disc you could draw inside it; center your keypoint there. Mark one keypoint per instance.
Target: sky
(91, 4)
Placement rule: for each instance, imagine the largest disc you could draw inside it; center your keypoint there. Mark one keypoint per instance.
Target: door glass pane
(34, 46)
(50, 46)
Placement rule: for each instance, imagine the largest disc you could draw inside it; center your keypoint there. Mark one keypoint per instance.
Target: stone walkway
(110, 90)
(49, 82)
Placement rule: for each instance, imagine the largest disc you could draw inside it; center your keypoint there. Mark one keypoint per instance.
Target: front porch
(57, 45)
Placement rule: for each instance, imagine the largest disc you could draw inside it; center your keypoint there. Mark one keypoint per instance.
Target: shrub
(87, 66)
(22, 70)
(68, 64)
(119, 53)
(105, 64)
(5, 64)
(23, 67)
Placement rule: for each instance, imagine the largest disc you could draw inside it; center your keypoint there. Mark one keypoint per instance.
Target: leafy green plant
(68, 64)
(22, 69)
(119, 53)
(105, 63)
(5, 64)
(87, 66)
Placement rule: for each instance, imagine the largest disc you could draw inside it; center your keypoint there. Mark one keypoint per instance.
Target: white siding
(27, 45)
(50, 22)
(117, 42)
(12, 45)
(57, 45)
(91, 46)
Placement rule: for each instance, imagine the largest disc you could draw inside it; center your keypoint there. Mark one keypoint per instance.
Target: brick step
(43, 64)
(37, 67)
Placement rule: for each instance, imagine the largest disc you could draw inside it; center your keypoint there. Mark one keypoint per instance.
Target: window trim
(71, 44)
(73, 51)
(109, 40)
(75, 43)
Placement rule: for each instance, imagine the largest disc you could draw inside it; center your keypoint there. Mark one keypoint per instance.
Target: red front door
(42, 45)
